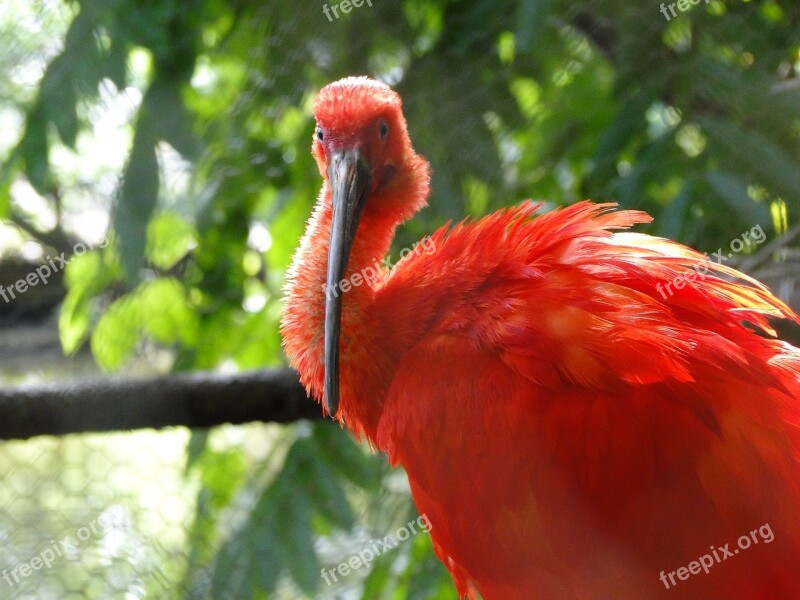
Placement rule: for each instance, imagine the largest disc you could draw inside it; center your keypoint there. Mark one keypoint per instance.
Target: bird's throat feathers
(303, 322)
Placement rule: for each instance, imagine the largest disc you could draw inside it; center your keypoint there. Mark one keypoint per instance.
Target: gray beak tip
(331, 405)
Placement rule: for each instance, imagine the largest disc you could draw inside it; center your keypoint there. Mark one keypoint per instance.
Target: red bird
(569, 429)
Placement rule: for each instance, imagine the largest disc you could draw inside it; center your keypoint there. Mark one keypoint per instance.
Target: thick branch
(190, 399)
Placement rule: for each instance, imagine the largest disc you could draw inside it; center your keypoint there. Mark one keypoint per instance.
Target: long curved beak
(350, 179)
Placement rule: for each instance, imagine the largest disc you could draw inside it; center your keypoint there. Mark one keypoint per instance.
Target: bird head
(363, 151)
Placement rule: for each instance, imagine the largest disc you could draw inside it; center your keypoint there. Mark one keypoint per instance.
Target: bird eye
(320, 135)
(383, 128)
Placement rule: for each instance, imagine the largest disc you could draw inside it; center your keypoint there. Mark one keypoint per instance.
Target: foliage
(695, 119)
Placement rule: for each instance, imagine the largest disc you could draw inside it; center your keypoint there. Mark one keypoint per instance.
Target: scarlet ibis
(569, 429)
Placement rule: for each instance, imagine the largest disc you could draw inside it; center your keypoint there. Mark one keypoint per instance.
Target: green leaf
(35, 149)
(259, 341)
(270, 559)
(198, 441)
(426, 575)
(327, 495)
(222, 474)
(73, 322)
(171, 118)
(166, 313)
(734, 193)
(117, 333)
(169, 239)
(158, 308)
(58, 99)
(629, 121)
(253, 556)
(671, 220)
(750, 96)
(379, 578)
(65, 117)
(295, 536)
(115, 63)
(345, 457)
(531, 18)
(138, 196)
(751, 152)
(85, 277)
(7, 171)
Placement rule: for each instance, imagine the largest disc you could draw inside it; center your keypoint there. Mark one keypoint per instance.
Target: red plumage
(570, 430)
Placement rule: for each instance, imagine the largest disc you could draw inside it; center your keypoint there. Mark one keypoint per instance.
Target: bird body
(569, 430)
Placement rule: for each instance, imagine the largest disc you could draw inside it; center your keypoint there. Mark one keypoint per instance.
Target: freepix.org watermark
(716, 556)
(755, 236)
(58, 549)
(43, 272)
(345, 6)
(371, 273)
(375, 549)
(683, 5)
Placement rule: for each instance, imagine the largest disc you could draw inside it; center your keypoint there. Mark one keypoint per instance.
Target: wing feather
(570, 428)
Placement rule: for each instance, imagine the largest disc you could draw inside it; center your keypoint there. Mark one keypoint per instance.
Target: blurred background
(163, 147)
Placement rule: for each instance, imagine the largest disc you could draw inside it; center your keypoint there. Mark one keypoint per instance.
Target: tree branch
(188, 399)
(55, 238)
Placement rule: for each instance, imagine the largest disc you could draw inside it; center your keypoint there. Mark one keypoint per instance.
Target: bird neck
(303, 323)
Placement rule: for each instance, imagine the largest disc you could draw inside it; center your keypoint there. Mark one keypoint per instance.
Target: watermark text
(365, 557)
(44, 272)
(717, 555)
(345, 6)
(683, 6)
(58, 549)
(371, 274)
(755, 236)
